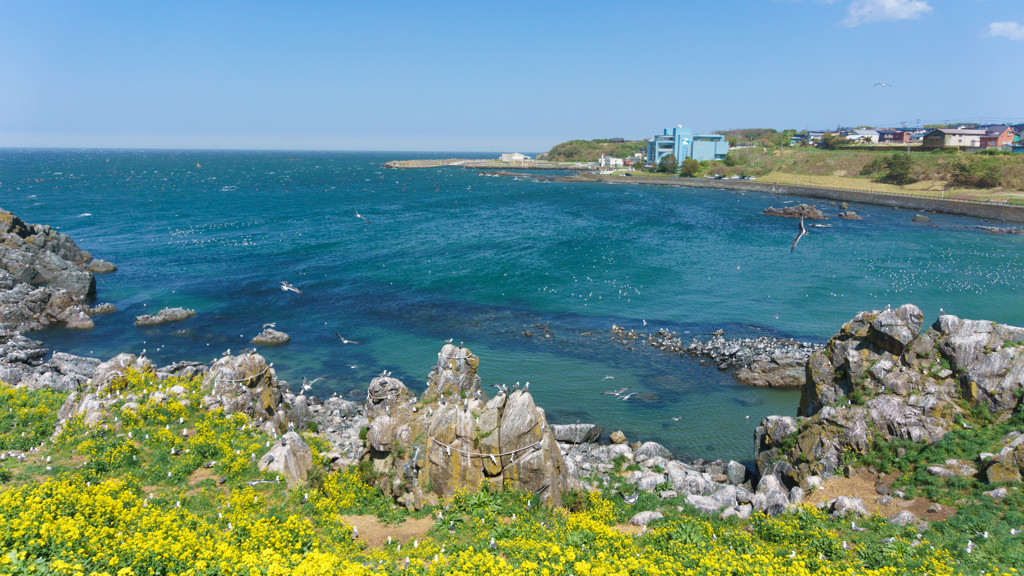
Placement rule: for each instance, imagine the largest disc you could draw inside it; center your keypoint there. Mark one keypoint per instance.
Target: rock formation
(164, 316)
(453, 437)
(44, 277)
(806, 210)
(271, 337)
(884, 376)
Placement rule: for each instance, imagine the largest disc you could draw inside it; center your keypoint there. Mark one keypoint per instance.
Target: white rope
(535, 445)
(384, 397)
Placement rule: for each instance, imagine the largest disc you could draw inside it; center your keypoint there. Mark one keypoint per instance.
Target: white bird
(494, 545)
(358, 215)
(626, 397)
(286, 286)
(306, 386)
(270, 325)
(344, 341)
(801, 234)
(883, 84)
(607, 378)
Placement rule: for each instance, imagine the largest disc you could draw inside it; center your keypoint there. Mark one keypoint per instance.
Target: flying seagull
(608, 378)
(358, 215)
(616, 392)
(883, 84)
(344, 341)
(286, 286)
(270, 325)
(803, 231)
(626, 397)
(306, 386)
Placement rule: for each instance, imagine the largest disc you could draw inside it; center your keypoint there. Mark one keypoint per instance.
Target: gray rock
(163, 316)
(997, 494)
(270, 337)
(904, 518)
(645, 518)
(577, 433)
(703, 503)
(651, 450)
(98, 266)
(736, 472)
(846, 505)
(291, 457)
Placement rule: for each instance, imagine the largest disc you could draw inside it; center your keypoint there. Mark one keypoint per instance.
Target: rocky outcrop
(849, 215)
(164, 316)
(806, 210)
(883, 375)
(577, 433)
(22, 364)
(44, 277)
(454, 437)
(764, 361)
(270, 337)
(289, 456)
(921, 218)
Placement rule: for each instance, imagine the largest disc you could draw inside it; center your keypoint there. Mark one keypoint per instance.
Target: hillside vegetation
(591, 150)
(946, 169)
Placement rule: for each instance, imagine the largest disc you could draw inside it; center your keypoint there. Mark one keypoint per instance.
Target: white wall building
(609, 162)
(514, 157)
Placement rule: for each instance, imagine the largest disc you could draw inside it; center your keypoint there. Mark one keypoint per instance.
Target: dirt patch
(201, 474)
(374, 533)
(863, 486)
(628, 528)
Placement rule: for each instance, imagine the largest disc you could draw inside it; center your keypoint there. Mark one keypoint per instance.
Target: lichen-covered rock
(455, 438)
(271, 337)
(247, 384)
(577, 433)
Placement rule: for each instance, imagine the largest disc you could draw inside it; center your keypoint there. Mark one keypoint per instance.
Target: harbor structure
(683, 143)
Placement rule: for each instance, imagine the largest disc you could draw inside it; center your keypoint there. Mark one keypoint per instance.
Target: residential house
(609, 162)
(893, 137)
(954, 137)
(863, 135)
(996, 136)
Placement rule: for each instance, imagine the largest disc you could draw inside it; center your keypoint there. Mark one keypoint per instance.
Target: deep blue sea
(450, 254)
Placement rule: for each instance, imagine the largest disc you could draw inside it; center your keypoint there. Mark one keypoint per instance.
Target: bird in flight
(626, 397)
(270, 325)
(883, 84)
(616, 392)
(286, 287)
(344, 341)
(608, 378)
(306, 386)
(801, 234)
(358, 215)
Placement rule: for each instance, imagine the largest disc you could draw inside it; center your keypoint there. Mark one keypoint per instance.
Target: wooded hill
(591, 150)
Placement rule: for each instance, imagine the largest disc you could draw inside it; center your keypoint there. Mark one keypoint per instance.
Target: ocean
(481, 260)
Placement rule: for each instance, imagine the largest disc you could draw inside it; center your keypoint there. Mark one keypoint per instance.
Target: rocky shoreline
(764, 361)
(882, 376)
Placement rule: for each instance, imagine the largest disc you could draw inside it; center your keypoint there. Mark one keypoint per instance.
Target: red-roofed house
(997, 136)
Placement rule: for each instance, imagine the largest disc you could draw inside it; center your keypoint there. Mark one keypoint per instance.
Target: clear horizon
(488, 79)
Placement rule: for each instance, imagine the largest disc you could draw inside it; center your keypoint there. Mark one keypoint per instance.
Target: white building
(514, 157)
(609, 162)
(863, 136)
(954, 137)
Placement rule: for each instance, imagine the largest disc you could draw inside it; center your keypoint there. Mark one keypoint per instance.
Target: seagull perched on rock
(358, 215)
(344, 340)
(286, 287)
(800, 234)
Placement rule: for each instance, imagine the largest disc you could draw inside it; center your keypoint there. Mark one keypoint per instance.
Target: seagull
(352, 366)
(494, 545)
(286, 286)
(344, 341)
(607, 378)
(677, 418)
(270, 325)
(853, 526)
(803, 231)
(626, 397)
(306, 386)
(358, 215)
(616, 392)
(631, 499)
(883, 84)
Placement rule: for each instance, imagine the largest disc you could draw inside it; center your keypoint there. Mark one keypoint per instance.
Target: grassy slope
(105, 502)
(851, 169)
(591, 150)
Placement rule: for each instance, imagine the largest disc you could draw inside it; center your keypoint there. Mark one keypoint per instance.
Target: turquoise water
(450, 254)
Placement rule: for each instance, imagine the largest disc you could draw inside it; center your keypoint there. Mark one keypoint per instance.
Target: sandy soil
(863, 486)
(374, 533)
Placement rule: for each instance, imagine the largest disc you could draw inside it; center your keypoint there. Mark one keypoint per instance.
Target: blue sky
(478, 76)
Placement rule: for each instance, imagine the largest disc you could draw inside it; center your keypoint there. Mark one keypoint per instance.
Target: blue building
(683, 143)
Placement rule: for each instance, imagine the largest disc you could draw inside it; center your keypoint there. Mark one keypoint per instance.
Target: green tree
(831, 141)
(667, 164)
(898, 167)
(690, 168)
(730, 160)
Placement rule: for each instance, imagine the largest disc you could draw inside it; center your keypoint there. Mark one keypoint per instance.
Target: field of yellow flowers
(169, 488)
